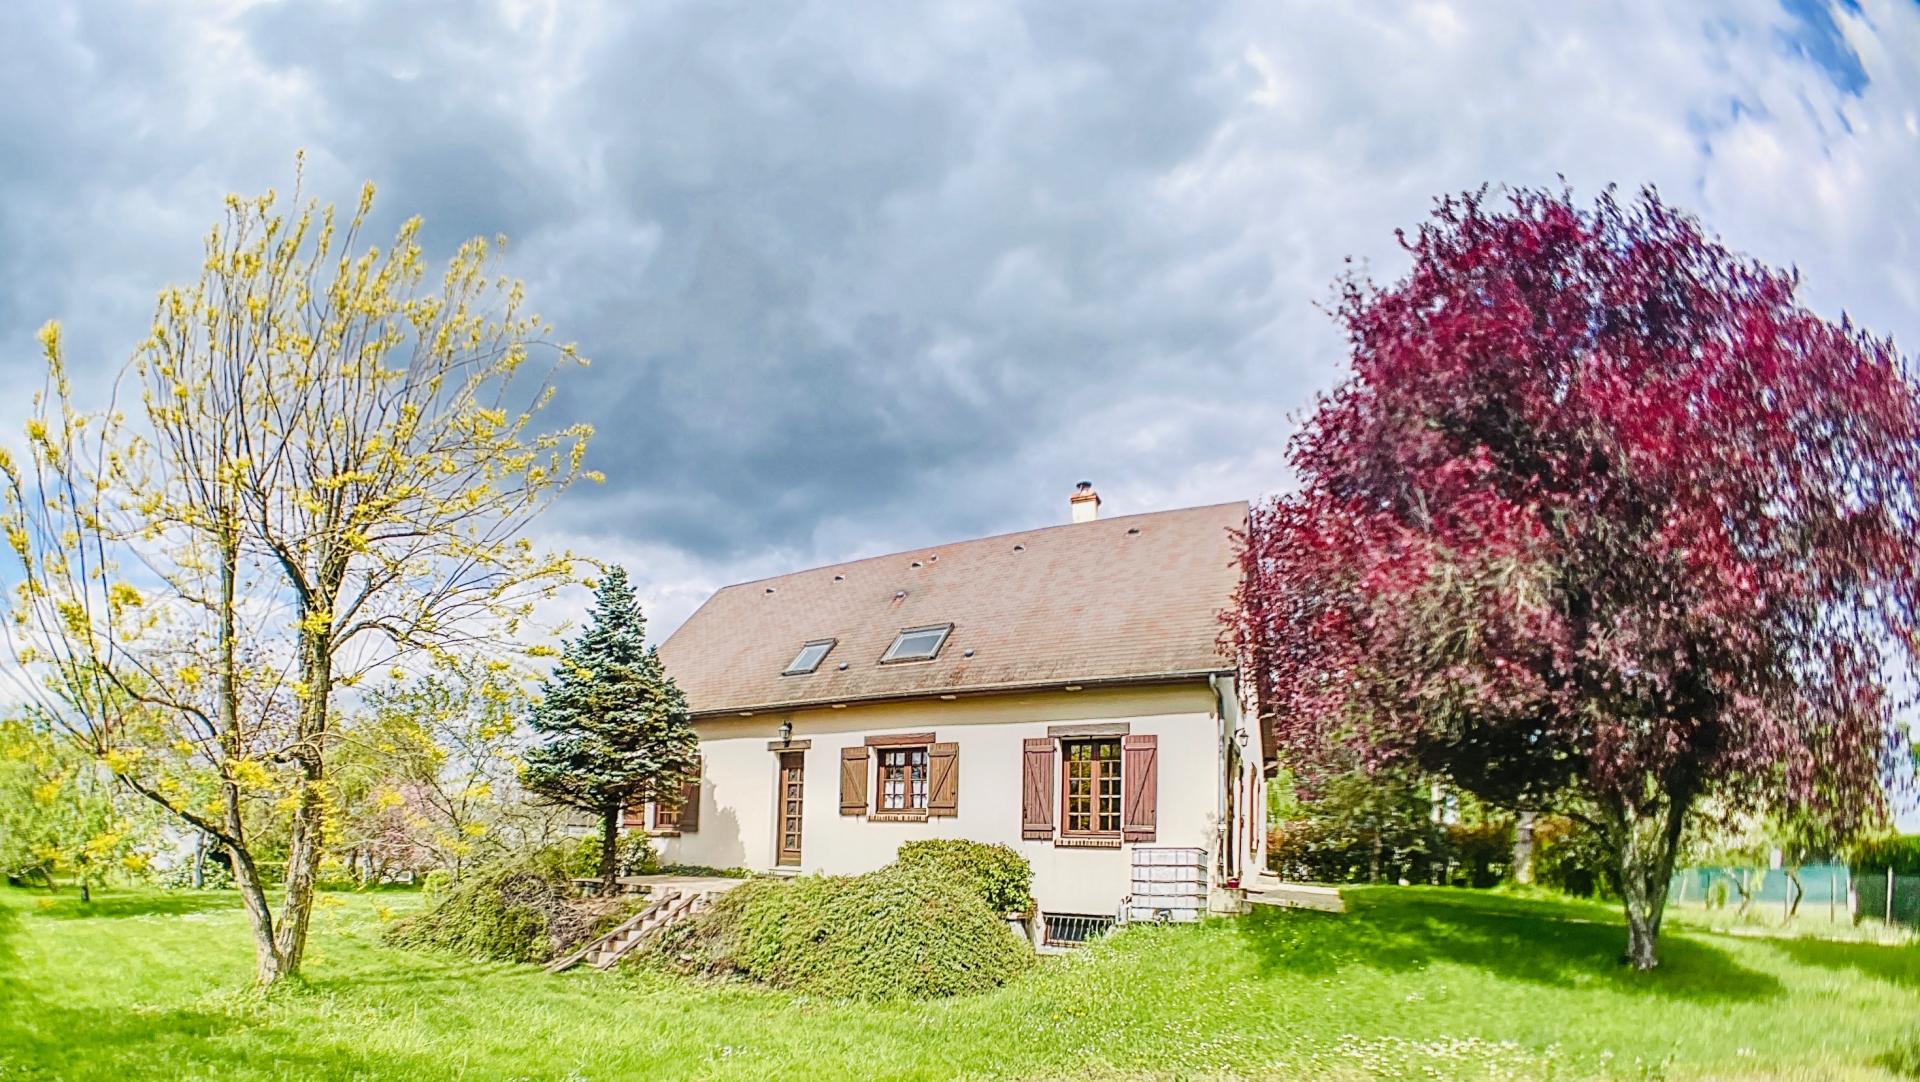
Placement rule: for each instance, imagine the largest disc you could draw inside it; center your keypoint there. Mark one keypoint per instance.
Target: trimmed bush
(1901, 852)
(898, 933)
(706, 870)
(1002, 877)
(516, 910)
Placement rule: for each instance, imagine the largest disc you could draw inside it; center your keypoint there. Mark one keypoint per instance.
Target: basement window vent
(1074, 929)
(917, 643)
(809, 657)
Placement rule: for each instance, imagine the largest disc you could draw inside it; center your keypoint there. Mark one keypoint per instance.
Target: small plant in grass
(1002, 877)
(898, 933)
(705, 870)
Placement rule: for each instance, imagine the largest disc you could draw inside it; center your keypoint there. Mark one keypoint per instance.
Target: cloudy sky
(862, 278)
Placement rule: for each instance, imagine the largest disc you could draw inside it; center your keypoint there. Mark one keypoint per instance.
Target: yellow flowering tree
(427, 773)
(339, 453)
(60, 816)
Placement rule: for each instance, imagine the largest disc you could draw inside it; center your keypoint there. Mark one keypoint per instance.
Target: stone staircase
(666, 905)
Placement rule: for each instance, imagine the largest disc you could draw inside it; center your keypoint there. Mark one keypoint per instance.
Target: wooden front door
(792, 782)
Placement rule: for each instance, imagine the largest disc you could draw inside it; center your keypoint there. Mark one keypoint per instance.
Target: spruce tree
(612, 729)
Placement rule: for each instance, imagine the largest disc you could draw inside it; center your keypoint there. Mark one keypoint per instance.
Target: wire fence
(1831, 890)
(1889, 897)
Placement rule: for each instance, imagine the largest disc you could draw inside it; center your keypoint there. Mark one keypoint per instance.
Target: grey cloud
(862, 277)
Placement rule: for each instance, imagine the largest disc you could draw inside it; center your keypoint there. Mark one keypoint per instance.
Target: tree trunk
(1795, 891)
(268, 964)
(609, 850)
(86, 893)
(1523, 848)
(1647, 843)
(307, 841)
(200, 861)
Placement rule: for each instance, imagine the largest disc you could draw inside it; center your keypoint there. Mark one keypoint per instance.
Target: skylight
(809, 657)
(917, 643)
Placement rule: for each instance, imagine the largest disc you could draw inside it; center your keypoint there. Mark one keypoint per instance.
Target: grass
(1414, 982)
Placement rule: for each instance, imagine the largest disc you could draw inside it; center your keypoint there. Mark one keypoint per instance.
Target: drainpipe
(1224, 831)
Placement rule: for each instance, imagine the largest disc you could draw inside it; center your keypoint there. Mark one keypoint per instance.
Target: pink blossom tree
(1604, 520)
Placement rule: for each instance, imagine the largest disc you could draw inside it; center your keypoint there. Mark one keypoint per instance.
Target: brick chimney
(1085, 502)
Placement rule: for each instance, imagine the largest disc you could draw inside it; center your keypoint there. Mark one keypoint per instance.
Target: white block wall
(737, 792)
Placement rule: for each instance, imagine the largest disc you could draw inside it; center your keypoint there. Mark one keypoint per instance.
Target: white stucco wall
(737, 791)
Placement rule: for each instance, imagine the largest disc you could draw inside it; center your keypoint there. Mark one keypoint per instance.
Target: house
(1060, 690)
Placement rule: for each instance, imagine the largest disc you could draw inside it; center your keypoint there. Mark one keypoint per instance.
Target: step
(671, 906)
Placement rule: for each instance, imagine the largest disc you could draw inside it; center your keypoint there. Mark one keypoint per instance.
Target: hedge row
(898, 933)
(1900, 852)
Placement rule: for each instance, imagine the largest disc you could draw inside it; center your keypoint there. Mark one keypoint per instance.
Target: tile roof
(1119, 599)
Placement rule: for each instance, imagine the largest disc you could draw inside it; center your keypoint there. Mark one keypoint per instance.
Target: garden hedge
(1002, 877)
(910, 932)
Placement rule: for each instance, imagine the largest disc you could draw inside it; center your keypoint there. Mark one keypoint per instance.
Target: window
(917, 643)
(666, 816)
(903, 780)
(809, 657)
(1090, 786)
(1074, 929)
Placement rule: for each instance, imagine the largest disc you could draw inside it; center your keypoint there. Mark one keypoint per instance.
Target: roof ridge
(984, 537)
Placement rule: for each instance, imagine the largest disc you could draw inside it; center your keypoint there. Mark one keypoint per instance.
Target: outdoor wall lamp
(786, 732)
(1240, 737)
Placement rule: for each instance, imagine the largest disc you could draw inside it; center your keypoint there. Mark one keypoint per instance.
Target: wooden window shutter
(1139, 787)
(690, 799)
(1036, 788)
(943, 779)
(634, 817)
(853, 781)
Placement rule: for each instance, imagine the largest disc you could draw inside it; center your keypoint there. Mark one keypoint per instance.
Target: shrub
(1480, 854)
(1901, 852)
(898, 933)
(213, 876)
(633, 851)
(1002, 877)
(706, 870)
(1570, 857)
(1324, 851)
(515, 910)
(1355, 828)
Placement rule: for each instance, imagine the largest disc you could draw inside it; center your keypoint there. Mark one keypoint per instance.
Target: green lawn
(1413, 983)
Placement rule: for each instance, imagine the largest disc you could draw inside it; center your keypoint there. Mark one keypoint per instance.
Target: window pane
(1092, 781)
(809, 658)
(914, 645)
(893, 780)
(903, 779)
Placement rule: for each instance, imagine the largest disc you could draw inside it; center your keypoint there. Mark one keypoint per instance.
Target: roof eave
(1053, 684)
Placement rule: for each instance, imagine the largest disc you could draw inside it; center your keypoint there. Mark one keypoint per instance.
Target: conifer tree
(613, 730)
